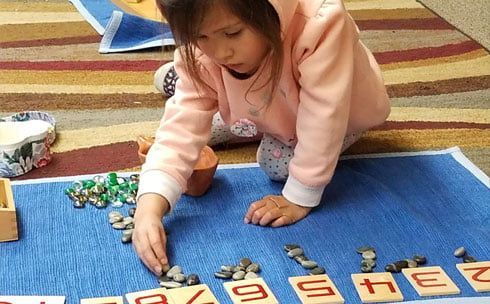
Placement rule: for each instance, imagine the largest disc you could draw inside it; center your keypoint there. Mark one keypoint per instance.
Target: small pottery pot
(25, 141)
(204, 170)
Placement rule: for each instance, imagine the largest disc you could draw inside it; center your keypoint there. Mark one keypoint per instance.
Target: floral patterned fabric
(32, 152)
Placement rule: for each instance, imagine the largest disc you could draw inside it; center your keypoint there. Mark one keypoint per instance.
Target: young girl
(293, 70)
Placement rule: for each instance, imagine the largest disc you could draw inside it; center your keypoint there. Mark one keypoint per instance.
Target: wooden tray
(8, 217)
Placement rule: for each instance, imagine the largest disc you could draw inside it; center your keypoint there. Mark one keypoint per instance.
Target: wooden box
(8, 217)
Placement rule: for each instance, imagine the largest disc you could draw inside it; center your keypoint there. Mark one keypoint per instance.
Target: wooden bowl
(204, 170)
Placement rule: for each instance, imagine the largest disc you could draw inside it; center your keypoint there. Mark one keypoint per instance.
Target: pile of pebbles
(414, 262)
(246, 269)
(124, 223)
(175, 278)
(461, 253)
(368, 262)
(296, 253)
(101, 191)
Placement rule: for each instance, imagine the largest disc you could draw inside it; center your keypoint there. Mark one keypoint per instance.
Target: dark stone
(223, 274)
(363, 249)
(317, 270)
(289, 247)
(420, 259)
(193, 279)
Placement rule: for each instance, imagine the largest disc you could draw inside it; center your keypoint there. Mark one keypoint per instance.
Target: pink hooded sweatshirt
(330, 86)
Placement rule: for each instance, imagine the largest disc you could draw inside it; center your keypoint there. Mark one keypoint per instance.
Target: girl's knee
(273, 157)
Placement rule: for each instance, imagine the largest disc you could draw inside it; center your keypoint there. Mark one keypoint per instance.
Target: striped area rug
(438, 80)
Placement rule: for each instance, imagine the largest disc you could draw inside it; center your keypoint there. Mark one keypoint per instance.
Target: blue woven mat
(122, 32)
(401, 205)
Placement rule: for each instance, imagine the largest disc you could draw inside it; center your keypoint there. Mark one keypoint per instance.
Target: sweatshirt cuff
(295, 192)
(159, 182)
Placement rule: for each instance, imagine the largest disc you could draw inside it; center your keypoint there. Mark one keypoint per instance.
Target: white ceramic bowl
(25, 141)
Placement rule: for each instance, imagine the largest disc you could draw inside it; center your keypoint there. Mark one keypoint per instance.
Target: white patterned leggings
(272, 155)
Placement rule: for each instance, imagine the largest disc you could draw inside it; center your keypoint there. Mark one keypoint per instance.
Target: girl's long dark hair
(185, 18)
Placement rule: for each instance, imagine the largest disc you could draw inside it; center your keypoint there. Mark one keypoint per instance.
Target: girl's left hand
(275, 211)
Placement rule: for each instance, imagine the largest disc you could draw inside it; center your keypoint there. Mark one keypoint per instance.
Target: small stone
(128, 220)
(401, 264)
(254, 267)
(411, 263)
(366, 269)
(171, 284)
(301, 258)
(460, 252)
(179, 277)
(115, 214)
(369, 255)
(115, 219)
(251, 275)
(126, 238)
(368, 262)
(363, 249)
(295, 252)
(469, 259)
(193, 279)
(420, 259)
(237, 268)
(223, 274)
(128, 232)
(164, 278)
(119, 226)
(173, 271)
(227, 268)
(239, 275)
(245, 262)
(78, 204)
(317, 270)
(309, 264)
(131, 211)
(289, 247)
(392, 268)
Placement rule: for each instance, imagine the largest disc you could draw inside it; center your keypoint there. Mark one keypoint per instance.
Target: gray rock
(309, 264)
(239, 275)
(460, 252)
(251, 275)
(245, 262)
(179, 277)
(317, 270)
(173, 271)
(223, 274)
(254, 267)
(193, 279)
(369, 255)
(171, 284)
(295, 252)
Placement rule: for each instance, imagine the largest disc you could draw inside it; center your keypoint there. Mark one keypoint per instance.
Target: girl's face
(228, 41)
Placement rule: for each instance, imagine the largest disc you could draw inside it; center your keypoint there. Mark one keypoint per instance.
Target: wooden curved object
(204, 170)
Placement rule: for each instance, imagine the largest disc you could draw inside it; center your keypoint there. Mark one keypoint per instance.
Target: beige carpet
(471, 17)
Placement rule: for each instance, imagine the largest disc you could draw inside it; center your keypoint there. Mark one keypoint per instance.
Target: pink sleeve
(184, 130)
(325, 65)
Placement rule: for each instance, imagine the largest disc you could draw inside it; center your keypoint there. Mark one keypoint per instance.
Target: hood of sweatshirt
(285, 9)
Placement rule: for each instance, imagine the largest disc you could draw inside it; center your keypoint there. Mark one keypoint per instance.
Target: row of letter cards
(317, 289)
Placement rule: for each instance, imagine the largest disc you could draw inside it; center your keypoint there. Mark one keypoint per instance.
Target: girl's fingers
(283, 220)
(143, 249)
(259, 213)
(270, 216)
(251, 210)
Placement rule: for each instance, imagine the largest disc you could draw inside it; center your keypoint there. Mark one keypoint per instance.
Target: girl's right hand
(149, 239)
